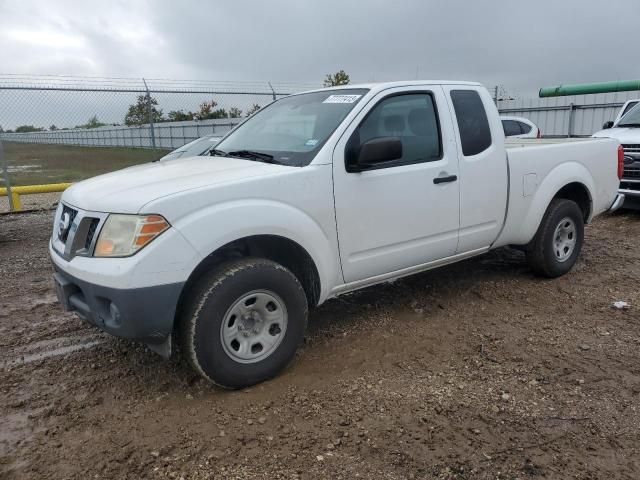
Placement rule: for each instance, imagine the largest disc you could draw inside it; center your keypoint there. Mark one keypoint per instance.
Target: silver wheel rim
(564, 239)
(254, 326)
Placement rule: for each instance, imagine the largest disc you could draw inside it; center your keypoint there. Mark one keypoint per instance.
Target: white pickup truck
(626, 130)
(316, 195)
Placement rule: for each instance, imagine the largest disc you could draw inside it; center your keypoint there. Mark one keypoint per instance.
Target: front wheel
(558, 241)
(243, 322)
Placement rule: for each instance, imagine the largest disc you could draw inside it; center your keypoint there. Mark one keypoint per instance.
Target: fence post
(495, 95)
(5, 169)
(273, 92)
(150, 110)
(572, 108)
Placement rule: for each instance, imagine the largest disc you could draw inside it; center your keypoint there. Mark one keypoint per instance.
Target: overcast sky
(521, 45)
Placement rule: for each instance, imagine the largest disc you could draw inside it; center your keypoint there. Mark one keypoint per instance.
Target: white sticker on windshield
(311, 142)
(342, 98)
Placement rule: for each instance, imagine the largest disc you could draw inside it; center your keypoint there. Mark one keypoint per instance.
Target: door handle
(447, 179)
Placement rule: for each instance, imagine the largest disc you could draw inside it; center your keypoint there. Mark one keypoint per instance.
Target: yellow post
(32, 190)
(17, 206)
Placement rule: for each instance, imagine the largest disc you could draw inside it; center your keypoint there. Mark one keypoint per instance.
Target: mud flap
(163, 349)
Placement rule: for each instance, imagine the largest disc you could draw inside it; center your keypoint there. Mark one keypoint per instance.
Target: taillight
(539, 134)
(620, 162)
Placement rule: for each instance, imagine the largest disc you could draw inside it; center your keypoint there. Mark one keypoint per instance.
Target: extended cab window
(412, 118)
(473, 124)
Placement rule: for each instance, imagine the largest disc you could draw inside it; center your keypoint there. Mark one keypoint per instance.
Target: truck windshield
(631, 118)
(293, 129)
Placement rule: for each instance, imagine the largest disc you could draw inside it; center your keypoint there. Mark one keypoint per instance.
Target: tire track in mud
(47, 349)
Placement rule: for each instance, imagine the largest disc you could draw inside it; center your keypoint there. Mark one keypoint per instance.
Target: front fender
(526, 212)
(215, 226)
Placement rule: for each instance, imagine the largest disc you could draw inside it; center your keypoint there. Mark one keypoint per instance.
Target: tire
(558, 241)
(242, 323)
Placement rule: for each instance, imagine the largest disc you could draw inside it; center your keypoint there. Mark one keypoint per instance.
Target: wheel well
(281, 250)
(578, 193)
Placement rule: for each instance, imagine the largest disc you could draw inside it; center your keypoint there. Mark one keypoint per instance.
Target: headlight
(124, 235)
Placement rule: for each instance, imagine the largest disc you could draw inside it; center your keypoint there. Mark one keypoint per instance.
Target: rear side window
(473, 124)
(525, 128)
(511, 128)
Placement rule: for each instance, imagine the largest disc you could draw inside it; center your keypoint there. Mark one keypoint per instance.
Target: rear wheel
(243, 322)
(558, 241)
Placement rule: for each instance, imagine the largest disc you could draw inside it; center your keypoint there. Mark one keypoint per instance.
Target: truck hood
(128, 190)
(623, 135)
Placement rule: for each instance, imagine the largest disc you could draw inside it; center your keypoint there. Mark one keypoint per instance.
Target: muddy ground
(478, 370)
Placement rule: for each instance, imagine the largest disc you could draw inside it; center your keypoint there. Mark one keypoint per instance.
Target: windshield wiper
(217, 153)
(632, 125)
(259, 156)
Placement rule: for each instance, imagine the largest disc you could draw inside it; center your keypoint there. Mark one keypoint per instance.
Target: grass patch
(36, 164)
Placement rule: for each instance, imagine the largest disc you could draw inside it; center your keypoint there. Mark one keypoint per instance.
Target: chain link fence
(131, 117)
(58, 129)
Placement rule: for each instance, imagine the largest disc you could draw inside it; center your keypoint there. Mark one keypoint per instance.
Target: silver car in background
(199, 146)
(518, 127)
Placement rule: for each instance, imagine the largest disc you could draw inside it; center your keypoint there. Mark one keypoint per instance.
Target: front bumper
(144, 314)
(132, 297)
(629, 193)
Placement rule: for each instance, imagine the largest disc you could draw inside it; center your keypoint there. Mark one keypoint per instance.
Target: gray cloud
(521, 45)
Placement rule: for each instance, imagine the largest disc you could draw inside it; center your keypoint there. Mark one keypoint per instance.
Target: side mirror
(373, 152)
(608, 124)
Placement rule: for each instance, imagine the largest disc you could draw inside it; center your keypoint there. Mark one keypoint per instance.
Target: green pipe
(586, 88)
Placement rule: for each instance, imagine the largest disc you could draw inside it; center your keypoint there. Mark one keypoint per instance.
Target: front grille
(629, 185)
(76, 231)
(632, 149)
(93, 226)
(631, 172)
(631, 160)
(71, 212)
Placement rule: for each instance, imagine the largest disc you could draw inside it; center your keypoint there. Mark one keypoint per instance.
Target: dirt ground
(478, 370)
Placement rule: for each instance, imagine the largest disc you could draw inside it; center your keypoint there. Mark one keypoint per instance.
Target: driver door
(403, 213)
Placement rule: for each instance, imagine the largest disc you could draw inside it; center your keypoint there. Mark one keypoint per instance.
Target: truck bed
(539, 168)
(528, 142)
